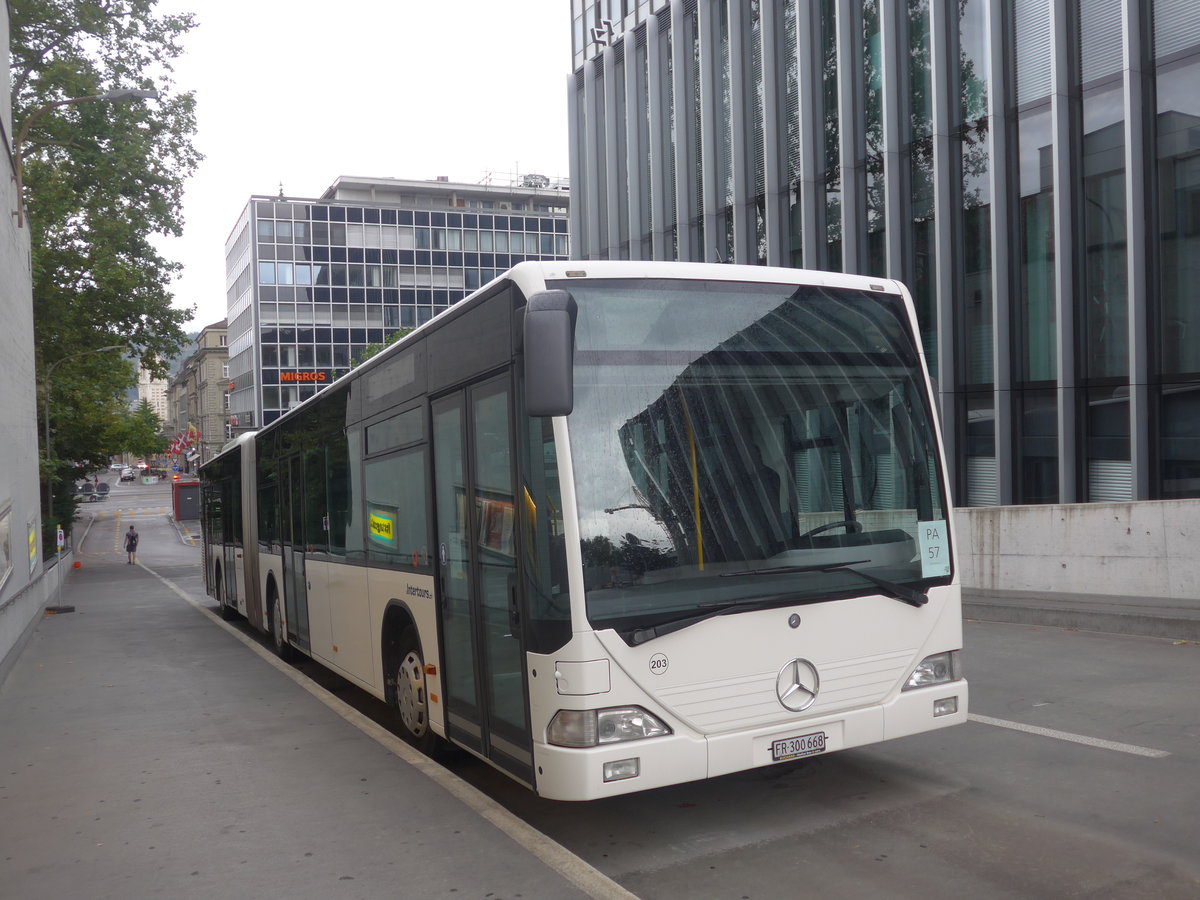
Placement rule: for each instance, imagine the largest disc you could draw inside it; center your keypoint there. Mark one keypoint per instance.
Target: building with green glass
(1029, 168)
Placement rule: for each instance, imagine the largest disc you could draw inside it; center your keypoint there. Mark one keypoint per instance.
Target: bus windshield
(739, 445)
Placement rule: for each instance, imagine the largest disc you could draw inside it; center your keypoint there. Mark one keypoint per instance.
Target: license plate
(796, 747)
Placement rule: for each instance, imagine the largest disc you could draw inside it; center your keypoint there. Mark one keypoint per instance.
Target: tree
(95, 425)
(140, 432)
(100, 180)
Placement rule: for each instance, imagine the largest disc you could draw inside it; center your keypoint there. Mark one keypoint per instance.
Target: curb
(86, 531)
(185, 536)
(1176, 628)
(582, 874)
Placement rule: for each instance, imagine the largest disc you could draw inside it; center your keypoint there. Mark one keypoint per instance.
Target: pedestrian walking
(131, 542)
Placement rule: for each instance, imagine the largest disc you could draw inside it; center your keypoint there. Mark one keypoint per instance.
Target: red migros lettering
(302, 376)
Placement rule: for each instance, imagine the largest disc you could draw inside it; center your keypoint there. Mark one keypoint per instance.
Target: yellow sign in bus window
(383, 527)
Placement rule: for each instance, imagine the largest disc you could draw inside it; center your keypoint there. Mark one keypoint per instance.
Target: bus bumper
(564, 773)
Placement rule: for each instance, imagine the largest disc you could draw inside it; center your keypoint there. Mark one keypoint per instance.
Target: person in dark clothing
(131, 542)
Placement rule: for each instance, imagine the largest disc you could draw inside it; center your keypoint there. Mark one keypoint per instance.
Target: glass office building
(312, 283)
(1030, 168)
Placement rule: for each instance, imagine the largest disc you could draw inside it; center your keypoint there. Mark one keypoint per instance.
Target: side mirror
(550, 353)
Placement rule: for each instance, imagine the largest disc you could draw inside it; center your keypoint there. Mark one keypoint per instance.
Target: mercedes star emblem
(797, 684)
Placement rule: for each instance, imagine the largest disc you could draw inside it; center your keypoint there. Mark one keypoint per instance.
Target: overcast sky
(301, 93)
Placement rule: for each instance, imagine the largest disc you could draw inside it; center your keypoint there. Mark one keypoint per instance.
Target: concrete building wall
(23, 590)
(211, 390)
(153, 391)
(198, 396)
(1145, 549)
(176, 405)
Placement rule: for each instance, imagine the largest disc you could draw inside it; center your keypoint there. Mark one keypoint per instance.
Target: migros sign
(285, 377)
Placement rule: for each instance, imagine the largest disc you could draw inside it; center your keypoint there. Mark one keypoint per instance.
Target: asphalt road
(1078, 776)
(1100, 797)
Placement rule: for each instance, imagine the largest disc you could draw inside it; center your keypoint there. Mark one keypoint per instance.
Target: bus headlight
(591, 727)
(939, 668)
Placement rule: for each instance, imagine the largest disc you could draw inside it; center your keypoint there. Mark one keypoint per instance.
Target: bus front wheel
(412, 696)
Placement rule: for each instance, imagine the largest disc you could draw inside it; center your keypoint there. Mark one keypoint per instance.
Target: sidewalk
(1150, 616)
(145, 751)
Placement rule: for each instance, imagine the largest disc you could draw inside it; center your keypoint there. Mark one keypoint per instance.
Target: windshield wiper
(901, 592)
(641, 635)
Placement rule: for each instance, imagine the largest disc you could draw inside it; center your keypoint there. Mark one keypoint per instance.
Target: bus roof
(531, 276)
(232, 445)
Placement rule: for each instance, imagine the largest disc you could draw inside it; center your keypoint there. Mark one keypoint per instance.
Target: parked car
(128, 474)
(116, 467)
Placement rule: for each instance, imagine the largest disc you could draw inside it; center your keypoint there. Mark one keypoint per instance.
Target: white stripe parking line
(1068, 736)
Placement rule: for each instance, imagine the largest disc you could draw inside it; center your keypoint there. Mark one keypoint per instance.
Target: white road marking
(1068, 736)
(582, 874)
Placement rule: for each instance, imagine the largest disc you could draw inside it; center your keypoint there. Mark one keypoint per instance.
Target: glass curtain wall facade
(1029, 168)
(313, 283)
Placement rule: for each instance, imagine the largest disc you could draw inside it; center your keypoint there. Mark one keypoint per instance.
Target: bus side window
(267, 517)
(338, 490)
(397, 509)
(316, 533)
(214, 516)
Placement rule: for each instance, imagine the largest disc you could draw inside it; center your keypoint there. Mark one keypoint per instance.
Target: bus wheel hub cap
(410, 694)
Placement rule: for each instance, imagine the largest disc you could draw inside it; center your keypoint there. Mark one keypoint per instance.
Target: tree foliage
(95, 427)
(101, 179)
(140, 432)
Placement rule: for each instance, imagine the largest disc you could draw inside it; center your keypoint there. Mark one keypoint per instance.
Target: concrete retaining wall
(22, 591)
(1146, 549)
(20, 613)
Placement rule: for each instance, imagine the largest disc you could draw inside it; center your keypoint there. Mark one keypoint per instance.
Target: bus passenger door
(295, 590)
(482, 651)
(231, 550)
(231, 571)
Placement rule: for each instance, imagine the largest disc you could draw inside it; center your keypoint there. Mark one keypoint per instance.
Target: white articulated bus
(616, 525)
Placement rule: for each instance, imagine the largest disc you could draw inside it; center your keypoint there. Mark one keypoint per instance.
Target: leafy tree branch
(100, 181)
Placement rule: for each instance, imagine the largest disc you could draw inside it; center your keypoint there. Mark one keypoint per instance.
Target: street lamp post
(50, 371)
(121, 95)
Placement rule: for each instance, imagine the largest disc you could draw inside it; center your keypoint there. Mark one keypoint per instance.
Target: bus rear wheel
(278, 635)
(227, 613)
(412, 695)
